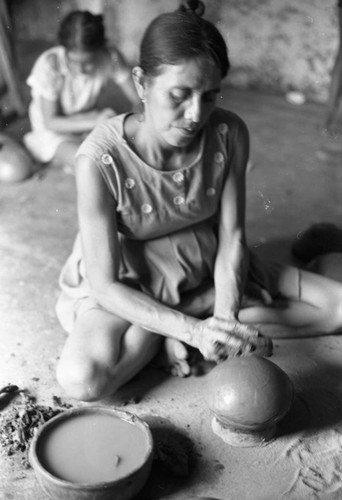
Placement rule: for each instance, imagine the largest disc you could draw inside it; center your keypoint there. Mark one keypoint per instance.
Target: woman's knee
(84, 381)
(333, 317)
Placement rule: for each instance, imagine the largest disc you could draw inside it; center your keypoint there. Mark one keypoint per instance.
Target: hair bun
(193, 6)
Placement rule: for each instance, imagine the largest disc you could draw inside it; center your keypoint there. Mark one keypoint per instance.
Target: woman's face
(180, 100)
(81, 62)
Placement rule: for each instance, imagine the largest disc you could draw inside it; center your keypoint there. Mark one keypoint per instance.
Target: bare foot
(174, 358)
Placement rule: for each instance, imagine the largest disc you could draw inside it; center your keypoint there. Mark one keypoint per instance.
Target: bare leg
(102, 354)
(174, 356)
(66, 151)
(312, 306)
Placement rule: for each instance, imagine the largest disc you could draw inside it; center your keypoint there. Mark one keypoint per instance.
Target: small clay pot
(248, 397)
(16, 164)
(90, 453)
(318, 239)
(329, 265)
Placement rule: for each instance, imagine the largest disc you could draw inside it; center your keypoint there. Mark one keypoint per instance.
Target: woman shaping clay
(161, 259)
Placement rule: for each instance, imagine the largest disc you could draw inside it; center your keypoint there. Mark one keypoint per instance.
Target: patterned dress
(51, 79)
(167, 220)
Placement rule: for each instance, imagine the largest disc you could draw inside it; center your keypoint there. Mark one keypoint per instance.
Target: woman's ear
(139, 81)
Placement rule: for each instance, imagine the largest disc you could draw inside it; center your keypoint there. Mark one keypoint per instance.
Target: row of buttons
(178, 177)
(146, 208)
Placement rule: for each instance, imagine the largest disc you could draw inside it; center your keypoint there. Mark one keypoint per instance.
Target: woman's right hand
(219, 339)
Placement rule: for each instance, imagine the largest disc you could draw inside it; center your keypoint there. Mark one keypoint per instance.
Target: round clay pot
(329, 265)
(72, 450)
(318, 239)
(15, 163)
(248, 397)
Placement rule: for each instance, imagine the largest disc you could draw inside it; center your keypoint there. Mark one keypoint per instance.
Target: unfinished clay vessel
(318, 239)
(248, 397)
(329, 265)
(15, 163)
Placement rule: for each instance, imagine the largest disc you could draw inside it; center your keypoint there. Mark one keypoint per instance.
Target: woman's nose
(193, 110)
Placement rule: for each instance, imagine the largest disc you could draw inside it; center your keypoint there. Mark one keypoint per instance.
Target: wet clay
(242, 438)
(93, 448)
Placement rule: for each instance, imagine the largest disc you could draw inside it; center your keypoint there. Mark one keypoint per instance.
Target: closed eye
(179, 95)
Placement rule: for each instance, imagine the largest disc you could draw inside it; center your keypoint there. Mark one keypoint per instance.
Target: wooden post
(8, 65)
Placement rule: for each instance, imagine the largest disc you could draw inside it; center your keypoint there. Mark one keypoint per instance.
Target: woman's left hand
(252, 340)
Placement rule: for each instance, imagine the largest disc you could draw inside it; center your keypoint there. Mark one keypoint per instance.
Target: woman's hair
(82, 30)
(180, 35)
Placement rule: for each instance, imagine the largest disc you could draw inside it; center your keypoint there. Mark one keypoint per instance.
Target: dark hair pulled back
(82, 30)
(180, 35)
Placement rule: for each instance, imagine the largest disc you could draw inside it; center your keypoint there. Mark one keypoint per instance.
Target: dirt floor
(291, 186)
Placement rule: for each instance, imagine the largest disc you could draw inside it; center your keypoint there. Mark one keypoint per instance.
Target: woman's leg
(312, 306)
(66, 151)
(103, 353)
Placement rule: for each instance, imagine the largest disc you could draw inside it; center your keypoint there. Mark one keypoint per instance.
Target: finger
(230, 341)
(221, 350)
(235, 328)
(263, 346)
(246, 331)
(232, 349)
(181, 369)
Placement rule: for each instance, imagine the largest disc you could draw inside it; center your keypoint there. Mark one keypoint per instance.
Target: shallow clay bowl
(92, 452)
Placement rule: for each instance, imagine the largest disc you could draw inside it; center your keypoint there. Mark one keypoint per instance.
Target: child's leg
(66, 151)
(312, 305)
(102, 353)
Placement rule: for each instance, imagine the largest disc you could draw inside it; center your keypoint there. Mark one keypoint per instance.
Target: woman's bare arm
(232, 257)
(71, 124)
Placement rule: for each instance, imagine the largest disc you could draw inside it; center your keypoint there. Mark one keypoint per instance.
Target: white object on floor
(295, 97)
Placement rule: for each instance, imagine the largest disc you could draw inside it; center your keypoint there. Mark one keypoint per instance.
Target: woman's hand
(218, 339)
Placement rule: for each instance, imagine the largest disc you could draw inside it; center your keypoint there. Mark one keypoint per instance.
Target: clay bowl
(248, 397)
(92, 452)
(329, 265)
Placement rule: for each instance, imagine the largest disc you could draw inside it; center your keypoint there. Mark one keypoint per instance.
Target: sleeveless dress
(51, 79)
(167, 220)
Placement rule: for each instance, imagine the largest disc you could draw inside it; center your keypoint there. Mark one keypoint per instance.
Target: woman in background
(66, 82)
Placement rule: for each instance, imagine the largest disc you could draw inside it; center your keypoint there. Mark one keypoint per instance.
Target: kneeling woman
(161, 252)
